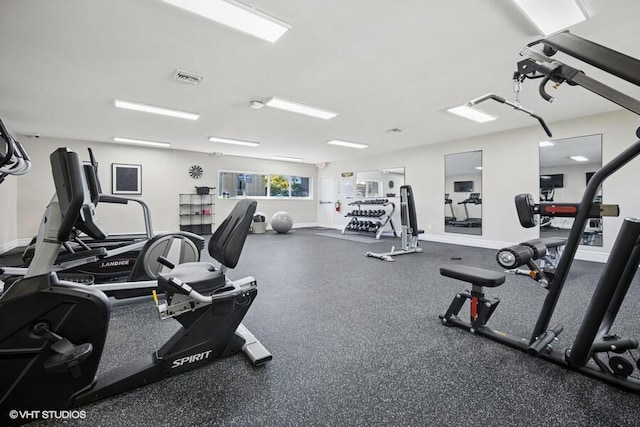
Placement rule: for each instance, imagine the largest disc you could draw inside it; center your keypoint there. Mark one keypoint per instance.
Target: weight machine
(596, 350)
(410, 231)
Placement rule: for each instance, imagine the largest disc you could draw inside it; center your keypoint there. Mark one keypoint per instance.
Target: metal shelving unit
(197, 212)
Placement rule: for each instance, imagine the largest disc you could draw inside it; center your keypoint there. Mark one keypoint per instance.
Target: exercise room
(277, 213)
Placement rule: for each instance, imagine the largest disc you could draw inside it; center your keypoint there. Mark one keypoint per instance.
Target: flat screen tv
(462, 186)
(555, 180)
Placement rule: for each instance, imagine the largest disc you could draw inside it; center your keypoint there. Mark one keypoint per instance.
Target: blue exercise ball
(281, 222)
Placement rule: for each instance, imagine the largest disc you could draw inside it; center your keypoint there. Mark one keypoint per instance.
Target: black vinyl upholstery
(201, 276)
(475, 276)
(225, 247)
(411, 207)
(227, 241)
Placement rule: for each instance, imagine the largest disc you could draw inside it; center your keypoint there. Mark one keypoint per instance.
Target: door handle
(324, 203)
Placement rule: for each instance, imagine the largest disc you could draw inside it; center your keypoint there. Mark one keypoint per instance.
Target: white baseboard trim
(585, 255)
(297, 225)
(466, 241)
(581, 254)
(6, 247)
(305, 225)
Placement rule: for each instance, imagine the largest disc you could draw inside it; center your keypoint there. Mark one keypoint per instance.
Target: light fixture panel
(141, 142)
(579, 158)
(233, 141)
(296, 107)
(155, 110)
(471, 114)
(287, 158)
(551, 16)
(236, 15)
(347, 144)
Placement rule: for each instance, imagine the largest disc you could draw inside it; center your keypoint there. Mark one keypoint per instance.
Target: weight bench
(481, 308)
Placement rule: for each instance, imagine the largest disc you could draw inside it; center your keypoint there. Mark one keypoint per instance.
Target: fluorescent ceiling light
(347, 144)
(478, 168)
(141, 142)
(236, 15)
(550, 16)
(155, 110)
(296, 107)
(233, 141)
(287, 158)
(546, 144)
(579, 158)
(471, 114)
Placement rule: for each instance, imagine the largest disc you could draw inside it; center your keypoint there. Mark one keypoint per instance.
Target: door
(327, 199)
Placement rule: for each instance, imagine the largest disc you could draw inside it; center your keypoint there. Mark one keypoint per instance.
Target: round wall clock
(196, 172)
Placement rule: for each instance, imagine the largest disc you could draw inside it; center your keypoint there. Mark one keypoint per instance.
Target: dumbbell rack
(371, 216)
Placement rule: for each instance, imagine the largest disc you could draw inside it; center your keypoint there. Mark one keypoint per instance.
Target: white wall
(510, 166)
(8, 213)
(164, 176)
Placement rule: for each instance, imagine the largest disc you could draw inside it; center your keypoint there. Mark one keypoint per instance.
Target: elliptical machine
(52, 332)
(13, 158)
(115, 261)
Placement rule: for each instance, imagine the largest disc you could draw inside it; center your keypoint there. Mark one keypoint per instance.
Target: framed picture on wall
(126, 179)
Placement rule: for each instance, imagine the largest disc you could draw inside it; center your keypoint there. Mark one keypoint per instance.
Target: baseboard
(593, 256)
(305, 225)
(6, 247)
(581, 254)
(300, 225)
(465, 241)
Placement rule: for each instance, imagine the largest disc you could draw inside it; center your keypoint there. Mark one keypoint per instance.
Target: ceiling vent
(187, 77)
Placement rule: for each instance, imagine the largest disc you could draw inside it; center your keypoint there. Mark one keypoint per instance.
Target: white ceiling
(589, 146)
(381, 64)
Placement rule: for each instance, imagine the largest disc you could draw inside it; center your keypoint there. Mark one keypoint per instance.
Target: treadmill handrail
(107, 198)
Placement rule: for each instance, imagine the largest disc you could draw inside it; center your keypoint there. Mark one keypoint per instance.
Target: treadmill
(474, 199)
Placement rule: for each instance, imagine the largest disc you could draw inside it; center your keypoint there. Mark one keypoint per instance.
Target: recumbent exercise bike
(52, 332)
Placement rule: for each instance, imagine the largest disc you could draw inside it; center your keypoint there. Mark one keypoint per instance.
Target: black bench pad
(473, 275)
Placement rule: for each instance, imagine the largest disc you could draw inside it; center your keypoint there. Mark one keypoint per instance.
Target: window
(300, 186)
(246, 184)
(240, 184)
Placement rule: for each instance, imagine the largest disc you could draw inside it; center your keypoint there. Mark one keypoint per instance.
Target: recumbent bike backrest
(228, 240)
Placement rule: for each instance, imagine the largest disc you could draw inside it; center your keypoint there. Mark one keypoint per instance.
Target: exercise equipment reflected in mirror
(379, 183)
(566, 165)
(463, 193)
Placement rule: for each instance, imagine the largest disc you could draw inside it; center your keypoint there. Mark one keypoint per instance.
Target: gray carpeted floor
(357, 342)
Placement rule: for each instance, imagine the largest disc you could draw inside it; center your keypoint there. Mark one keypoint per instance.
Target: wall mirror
(566, 165)
(383, 183)
(463, 193)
